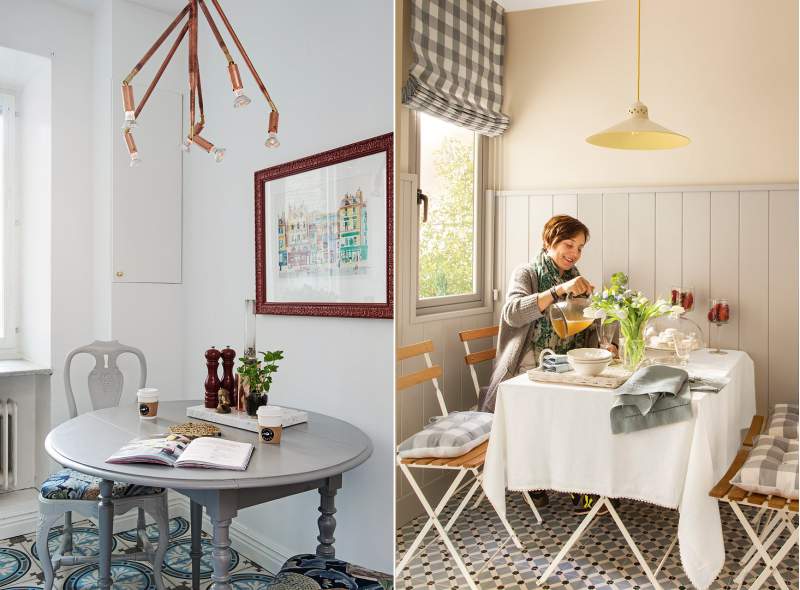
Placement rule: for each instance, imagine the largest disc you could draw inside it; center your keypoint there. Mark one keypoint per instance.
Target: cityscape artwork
(324, 233)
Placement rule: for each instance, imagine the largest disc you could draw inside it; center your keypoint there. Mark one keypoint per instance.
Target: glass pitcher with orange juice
(567, 316)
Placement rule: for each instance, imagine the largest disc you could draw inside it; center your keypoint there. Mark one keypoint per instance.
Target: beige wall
(723, 72)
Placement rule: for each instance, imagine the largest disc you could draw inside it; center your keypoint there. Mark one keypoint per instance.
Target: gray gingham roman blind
(457, 72)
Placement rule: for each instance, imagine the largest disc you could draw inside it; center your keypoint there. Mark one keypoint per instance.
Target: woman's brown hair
(562, 227)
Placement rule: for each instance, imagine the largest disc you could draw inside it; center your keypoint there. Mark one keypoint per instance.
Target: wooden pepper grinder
(212, 381)
(228, 381)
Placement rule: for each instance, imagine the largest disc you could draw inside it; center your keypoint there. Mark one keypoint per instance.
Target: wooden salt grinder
(212, 381)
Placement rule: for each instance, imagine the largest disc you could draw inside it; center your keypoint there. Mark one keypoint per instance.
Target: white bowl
(589, 362)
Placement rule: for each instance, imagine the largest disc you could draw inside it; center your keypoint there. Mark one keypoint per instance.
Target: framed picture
(324, 233)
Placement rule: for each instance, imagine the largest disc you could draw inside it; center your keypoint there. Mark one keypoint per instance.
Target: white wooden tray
(241, 420)
(612, 377)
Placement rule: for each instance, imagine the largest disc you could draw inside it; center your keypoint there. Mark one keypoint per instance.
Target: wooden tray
(612, 377)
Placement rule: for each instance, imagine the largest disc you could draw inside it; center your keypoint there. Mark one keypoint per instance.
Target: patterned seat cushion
(770, 468)
(310, 572)
(783, 421)
(450, 436)
(69, 484)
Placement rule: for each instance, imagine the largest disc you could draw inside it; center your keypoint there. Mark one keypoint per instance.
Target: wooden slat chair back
(431, 373)
(469, 463)
(784, 511)
(480, 356)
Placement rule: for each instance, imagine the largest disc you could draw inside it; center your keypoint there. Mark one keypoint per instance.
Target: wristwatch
(554, 293)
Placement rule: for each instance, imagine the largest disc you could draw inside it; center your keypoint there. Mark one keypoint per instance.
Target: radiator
(9, 443)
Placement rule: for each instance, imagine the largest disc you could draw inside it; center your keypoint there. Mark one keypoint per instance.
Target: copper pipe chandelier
(132, 111)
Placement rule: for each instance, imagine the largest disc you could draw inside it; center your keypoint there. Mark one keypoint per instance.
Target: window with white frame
(7, 315)
(450, 261)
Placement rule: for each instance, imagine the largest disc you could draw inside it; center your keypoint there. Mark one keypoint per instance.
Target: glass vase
(633, 345)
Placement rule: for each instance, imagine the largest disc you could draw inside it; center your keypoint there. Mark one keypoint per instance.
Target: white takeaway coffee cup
(270, 424)
(148, 402)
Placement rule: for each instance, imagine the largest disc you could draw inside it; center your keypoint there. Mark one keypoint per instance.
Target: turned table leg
(196, 553)
(106, 533)
(326, 521)
(221, 555)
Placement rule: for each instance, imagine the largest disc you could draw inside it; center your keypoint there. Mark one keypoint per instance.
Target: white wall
(328, 68)
(65, 37)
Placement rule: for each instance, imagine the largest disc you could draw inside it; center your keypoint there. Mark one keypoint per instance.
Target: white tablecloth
(558, 437)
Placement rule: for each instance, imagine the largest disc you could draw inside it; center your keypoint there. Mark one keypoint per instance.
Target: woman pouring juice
(525, 328)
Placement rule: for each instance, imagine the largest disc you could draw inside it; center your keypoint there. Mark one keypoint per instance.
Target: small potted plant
(256, 375)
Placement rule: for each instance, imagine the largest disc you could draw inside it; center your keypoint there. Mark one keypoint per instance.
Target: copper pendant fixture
(132, 111)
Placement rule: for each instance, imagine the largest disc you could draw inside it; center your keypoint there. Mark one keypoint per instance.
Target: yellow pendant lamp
(638, 132)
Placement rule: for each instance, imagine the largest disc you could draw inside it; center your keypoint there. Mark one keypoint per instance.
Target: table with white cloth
(548, 436)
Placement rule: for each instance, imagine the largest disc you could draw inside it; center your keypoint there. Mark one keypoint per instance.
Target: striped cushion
(450, 436)
(770, 468)
(69, 484)
(783, 421)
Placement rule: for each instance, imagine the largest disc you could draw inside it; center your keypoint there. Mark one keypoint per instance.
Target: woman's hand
(577, 286)
(612, 348)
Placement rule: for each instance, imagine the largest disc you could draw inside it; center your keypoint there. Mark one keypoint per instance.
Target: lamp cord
(638, 43)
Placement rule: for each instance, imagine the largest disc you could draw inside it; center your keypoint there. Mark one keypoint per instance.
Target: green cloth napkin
(653, 396)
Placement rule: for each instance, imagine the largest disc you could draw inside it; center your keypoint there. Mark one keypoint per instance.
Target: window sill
(449, 315)
(21, 367)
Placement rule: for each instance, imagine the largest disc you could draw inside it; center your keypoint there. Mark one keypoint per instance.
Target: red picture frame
(385, 310)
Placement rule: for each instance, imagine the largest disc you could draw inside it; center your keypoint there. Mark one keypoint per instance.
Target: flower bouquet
(618, 303)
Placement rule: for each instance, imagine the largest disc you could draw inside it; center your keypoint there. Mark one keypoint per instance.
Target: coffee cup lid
(269, 411)
(150, 393)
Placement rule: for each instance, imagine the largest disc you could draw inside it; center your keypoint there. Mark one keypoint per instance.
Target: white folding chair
(783, 512)
(475, 358)
(468, 464)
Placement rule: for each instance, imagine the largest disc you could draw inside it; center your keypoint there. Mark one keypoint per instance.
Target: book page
(215, 452)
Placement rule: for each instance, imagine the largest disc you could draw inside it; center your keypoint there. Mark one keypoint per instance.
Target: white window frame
(8, 341)
(438, 308)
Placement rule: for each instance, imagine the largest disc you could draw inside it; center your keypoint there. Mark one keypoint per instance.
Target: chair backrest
(474, 358)
(105, 379)
(432, 373)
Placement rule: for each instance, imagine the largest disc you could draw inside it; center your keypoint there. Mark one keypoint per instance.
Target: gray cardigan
(516, 322)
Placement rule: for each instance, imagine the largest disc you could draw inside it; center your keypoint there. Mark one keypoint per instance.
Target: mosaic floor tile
(19, 567)
(600, 561)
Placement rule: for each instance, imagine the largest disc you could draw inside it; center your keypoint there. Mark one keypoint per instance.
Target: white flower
(676, 310)
(605, 293)
(593, 313)
(664, 307)
(620, 313)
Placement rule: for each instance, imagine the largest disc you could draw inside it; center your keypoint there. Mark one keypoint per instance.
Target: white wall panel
(615, 235)
(540, 209)
(783, 296)
(736, 242)
(565, 205)
(590, 212)
(669, 242)
(753, 285)
(642, 237)
(696, 211)
(517, 235)
(723, 277)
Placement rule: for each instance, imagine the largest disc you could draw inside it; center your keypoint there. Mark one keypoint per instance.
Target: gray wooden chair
(69, 491)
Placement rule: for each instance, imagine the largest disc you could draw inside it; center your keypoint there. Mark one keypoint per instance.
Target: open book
(175, 450)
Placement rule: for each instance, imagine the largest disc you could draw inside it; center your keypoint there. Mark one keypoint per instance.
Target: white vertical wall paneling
(590, 212)
(615, 235)
(517, 235)
(541, 209)
(641, 237)
(783, 289)
(723, 274)
(501, 256)
(669, 242)
(753, 284)
(565, 205)
(696, 224)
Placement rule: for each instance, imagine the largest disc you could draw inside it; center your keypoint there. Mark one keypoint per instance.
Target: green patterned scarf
(543, 336)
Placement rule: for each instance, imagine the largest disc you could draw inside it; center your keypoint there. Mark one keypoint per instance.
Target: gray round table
(313, 455)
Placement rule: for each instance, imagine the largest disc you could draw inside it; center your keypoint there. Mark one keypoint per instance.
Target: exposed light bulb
(186, 145)
(272, 140)
(218, 153)
(135, 160)
(241, 99)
